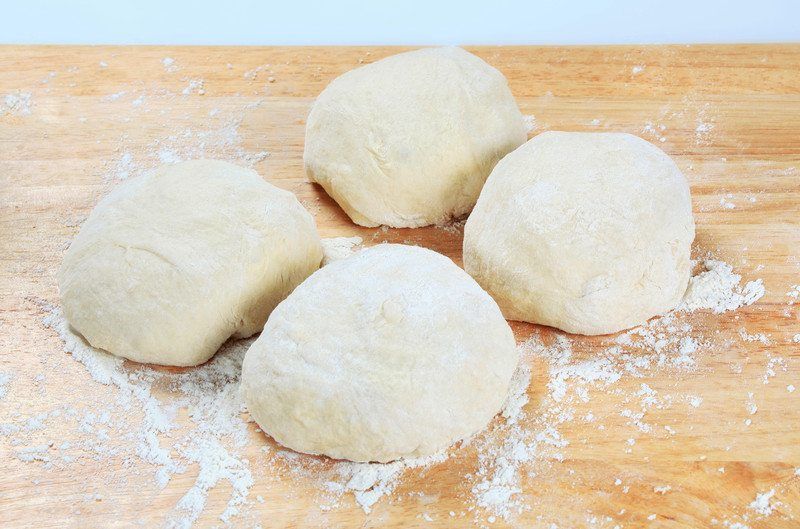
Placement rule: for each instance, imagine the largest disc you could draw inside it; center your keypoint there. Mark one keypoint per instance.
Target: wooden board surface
(74, 121)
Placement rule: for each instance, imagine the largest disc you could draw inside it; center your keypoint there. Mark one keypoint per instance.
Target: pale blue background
(400, 22)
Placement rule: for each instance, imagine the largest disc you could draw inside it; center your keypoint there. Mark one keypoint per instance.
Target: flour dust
(141, 429)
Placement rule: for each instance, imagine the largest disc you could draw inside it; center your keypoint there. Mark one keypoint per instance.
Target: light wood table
(78, 119)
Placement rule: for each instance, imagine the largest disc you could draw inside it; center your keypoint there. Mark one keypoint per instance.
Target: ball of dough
(586, 232)
(392, 352)
(170, 265)
(409, 140)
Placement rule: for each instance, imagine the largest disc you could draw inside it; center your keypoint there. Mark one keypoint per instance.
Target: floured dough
(391, 352)
(409, 140)
(587, 232)
(170, 265)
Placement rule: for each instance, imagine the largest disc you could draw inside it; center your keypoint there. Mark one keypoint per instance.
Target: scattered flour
(210, 395)
(169, 64)
(509, 453)
(454, 227)
(762, 504)
(218, 139)
(530, 123)
(702, 131)
(335, 248)
(5, 378)
(756, 337)
(726, 203)
(704, 124)
(717, 288)
(195, 86)
(115, 96)
(656, 131)
(16, 103)
(695, 401)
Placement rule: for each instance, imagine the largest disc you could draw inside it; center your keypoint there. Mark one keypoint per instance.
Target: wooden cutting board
(76, 120)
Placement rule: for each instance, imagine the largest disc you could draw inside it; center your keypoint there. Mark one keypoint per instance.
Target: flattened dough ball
(586, 232)
(170, 265)
(409, 140)
(392, 352)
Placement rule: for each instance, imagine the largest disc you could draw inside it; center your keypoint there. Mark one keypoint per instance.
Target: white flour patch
(217, 139)
(169, 64)
(115, 96)
(335, 248)
(702, 130)
(530, 123)
(213, 441)
(195, 86)
(755, 337)
(16, 103)
(704, 124)
(774, 363)
(726, 203)
(763, 504)
(718, 288)
(509, 453)
(454, 227)
(5, 378)
(656, 131)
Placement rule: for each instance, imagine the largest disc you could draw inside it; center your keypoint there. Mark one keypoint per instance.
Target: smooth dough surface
(587, 232)
(392, 352)
(409, 140)
(171, 264)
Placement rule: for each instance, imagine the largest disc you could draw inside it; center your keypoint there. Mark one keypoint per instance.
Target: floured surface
(689, 421)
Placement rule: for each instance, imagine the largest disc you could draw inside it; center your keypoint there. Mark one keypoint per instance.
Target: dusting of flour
(509, 453)
(335, 248)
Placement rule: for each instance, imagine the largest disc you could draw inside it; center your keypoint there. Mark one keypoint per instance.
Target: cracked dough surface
(587, 232)
(409, 140)
(392, 352)
(171, 264)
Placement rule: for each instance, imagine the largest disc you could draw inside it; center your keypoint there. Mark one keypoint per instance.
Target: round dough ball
(409, 140)
(170, 265)
(586, 232)
(392, 352)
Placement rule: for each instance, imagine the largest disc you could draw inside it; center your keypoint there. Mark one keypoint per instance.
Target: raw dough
(170, 265)
(587, 232)
(409, 140)
(392, 352)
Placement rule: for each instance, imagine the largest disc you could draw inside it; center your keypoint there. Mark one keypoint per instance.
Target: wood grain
(728, 115)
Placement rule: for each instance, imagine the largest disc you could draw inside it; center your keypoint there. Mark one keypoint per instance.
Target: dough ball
(586, 232)
(409, 140)
(170, 265)
(392, 352)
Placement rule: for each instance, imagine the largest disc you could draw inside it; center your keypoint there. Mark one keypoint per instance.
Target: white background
(401, 22)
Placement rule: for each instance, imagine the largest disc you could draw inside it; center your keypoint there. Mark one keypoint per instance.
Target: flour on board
(335, 248)
(16, 103)
(510, 453)
(763, 503)
(5, 378)
(717, 288)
